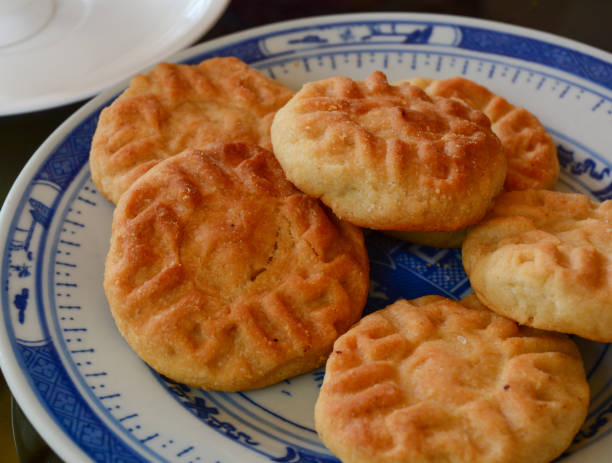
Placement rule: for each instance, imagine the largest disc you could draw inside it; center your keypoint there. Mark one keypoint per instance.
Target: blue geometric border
(68, 408)
(472, 38)
(211, 415)
(556, 56)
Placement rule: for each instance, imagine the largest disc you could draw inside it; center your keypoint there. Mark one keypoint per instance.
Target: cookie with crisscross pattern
(544, 259)
(531, 152)
(388, 156)
(222, 275)
(432, 380)
(177, 106)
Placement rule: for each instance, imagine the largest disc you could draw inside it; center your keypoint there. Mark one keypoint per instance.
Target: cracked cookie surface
(544, 259)
(433, 380)
(388, 156)
(222, 275)
(175, 107)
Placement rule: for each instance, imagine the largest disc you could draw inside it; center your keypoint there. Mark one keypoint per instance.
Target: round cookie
(389, 157)
(222, 275)
(531, 152)
(432, 380)
(544, 259)
(174, 107)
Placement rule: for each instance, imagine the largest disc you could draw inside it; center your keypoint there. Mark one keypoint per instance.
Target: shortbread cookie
(544, 259)
(434, 380)
(389, 157)
(531, 152)
(175, 107)
(222, 275)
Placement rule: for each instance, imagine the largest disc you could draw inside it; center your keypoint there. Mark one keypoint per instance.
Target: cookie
(174, 107)
(432, 380)
(389, 157)
(531, 152)
(544, 259)
(222, 275)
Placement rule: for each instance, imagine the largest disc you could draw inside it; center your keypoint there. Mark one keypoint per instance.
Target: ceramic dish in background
(91, 397)
(86, 46)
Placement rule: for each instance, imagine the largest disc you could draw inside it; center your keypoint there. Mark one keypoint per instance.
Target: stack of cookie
(220, 273)
(432, 379)
(237, 258)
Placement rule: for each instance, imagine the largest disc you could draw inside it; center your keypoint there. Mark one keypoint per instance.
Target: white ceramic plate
(88, 45)
(90, 396)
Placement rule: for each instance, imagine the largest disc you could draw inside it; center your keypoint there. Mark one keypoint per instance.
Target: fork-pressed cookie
(388, 156)
(544, 259)
(222, 275)
(434, 380)
(531, 152)
(178, 106)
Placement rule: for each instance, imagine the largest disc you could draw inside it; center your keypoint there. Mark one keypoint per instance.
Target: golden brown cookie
(531, 152)
(434, 380)
(389, 157)
(222, 275)
(175, 107)
(544, 259)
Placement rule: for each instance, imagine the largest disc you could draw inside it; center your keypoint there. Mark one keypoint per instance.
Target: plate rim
(537, 34)
(16, 379)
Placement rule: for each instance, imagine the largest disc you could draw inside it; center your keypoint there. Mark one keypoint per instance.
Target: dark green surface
(20, 137)
(30, 446)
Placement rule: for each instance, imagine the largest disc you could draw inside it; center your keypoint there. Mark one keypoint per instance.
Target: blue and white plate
(92, 398)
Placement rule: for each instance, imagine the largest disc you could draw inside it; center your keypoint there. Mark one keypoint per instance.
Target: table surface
(20, 135)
